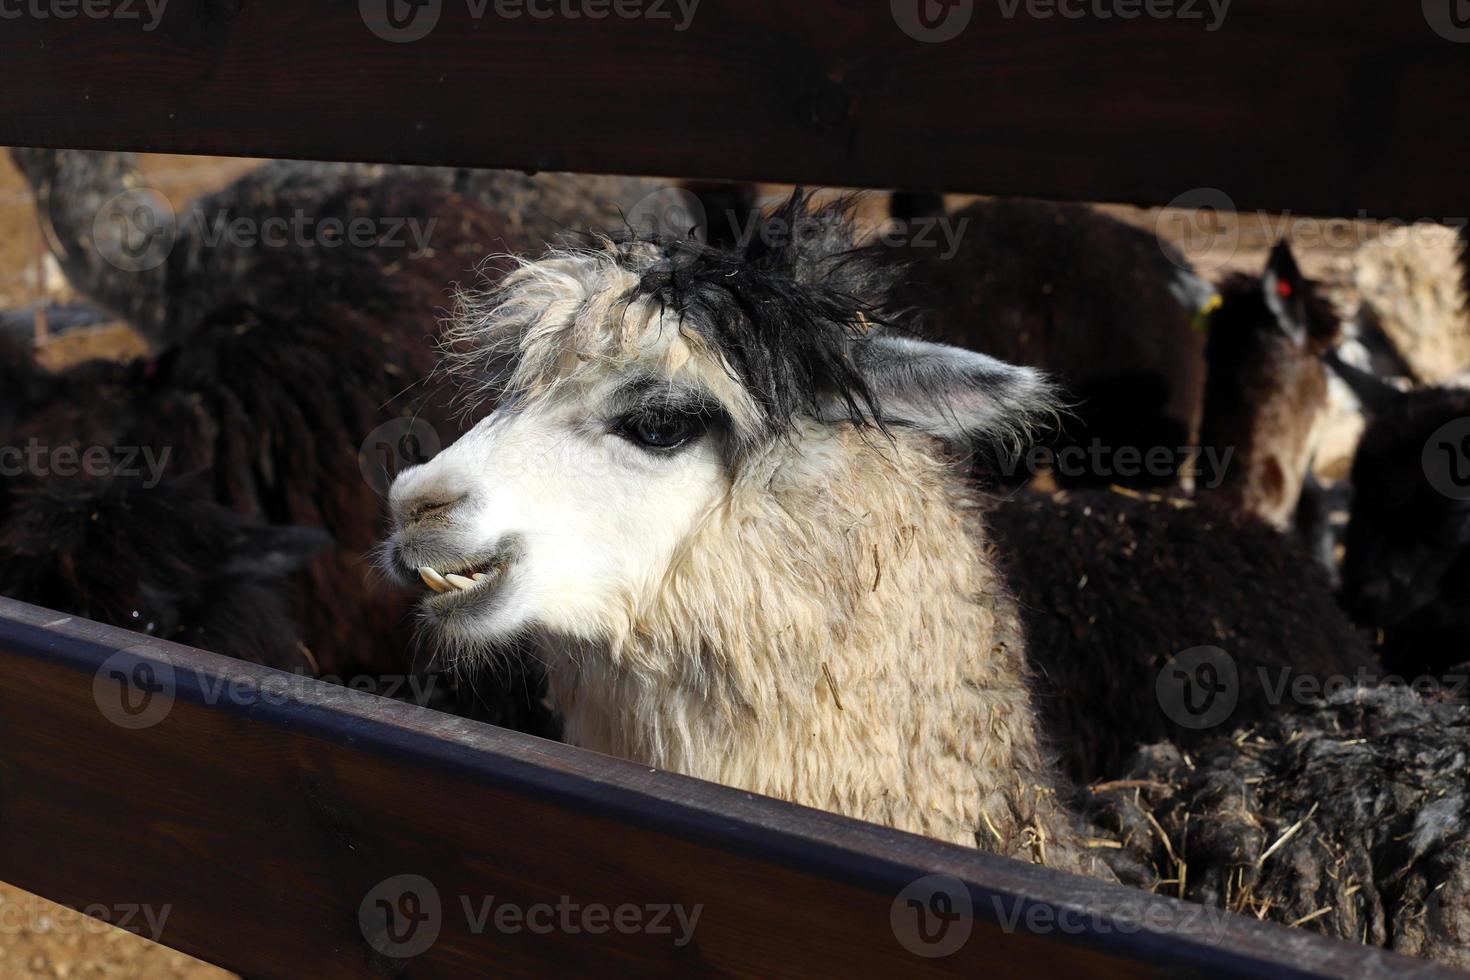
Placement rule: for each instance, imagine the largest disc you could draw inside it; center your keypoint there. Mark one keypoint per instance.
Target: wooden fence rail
(1328, 106)
(273, 823)
(283, 827)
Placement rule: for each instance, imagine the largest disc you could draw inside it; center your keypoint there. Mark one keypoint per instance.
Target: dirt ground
(41, 939)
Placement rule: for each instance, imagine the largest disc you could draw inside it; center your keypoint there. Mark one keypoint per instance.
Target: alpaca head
(643, 385)
(1266, 384)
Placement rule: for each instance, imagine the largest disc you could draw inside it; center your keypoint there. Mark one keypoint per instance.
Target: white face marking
(589, 518)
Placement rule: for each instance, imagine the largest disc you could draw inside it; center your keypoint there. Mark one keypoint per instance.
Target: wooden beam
(1326, 106)
(264, 813)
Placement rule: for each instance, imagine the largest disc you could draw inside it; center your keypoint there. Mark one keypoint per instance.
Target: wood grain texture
(1327, 106)
(262, 810)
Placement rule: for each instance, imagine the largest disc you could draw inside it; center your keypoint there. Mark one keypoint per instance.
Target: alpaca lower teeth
(454, 582)
(434, 580)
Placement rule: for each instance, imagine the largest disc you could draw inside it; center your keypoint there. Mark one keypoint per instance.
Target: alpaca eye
(659, 431)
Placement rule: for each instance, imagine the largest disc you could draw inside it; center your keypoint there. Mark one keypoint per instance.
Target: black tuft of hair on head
(786, 307)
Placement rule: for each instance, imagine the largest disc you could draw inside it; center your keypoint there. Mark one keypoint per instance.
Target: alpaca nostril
(432, 511)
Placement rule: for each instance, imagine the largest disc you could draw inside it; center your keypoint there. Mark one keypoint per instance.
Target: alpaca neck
(78, 199)
(834, 635)
(1266, 417)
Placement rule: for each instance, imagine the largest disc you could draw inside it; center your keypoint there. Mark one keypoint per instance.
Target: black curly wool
(1111, 586)
(1350, 817)
(164, 560)
(1103, 305)
(21, 382)
(1406, 570)
(269, 402)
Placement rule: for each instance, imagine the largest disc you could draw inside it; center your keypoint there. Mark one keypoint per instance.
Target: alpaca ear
(1285, 291)
(952, 393)
(1383, 357)
(1374, 393)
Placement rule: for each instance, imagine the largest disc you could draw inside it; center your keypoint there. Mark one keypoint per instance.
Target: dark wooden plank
(262, 811)
(1331, 106)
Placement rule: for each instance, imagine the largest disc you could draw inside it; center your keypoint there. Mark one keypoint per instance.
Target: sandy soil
(41, 939)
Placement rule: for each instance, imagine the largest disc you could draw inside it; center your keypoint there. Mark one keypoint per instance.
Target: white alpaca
(728, 570)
